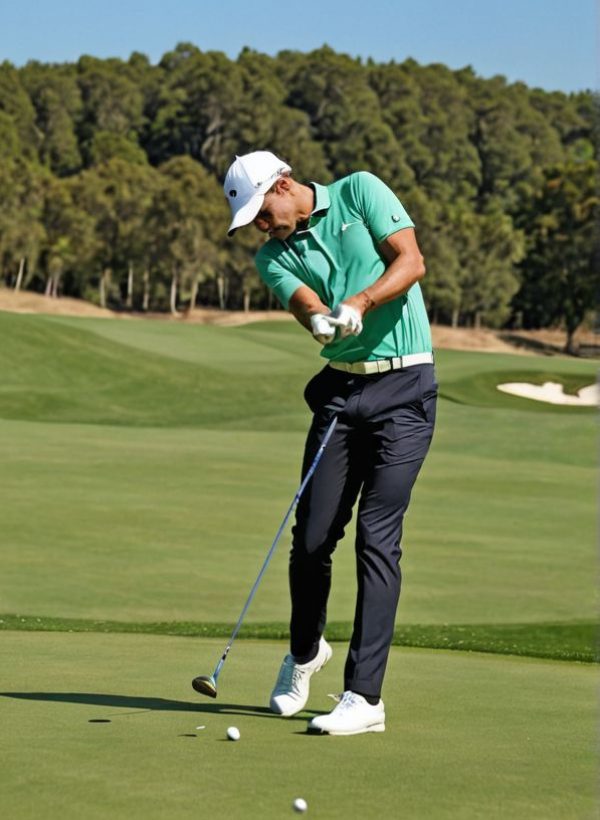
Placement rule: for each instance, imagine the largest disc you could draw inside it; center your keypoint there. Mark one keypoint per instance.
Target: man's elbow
(419, 268)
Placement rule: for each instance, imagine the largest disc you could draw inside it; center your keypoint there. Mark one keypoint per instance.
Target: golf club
(207, 684)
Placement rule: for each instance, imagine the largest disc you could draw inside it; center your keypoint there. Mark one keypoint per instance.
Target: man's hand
(322, 328)
(348, 319)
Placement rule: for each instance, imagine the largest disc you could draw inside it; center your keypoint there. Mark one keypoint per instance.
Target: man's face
(277, 217)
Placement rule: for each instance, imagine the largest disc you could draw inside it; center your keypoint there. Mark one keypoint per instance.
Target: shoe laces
(347, 701)
(289, 675)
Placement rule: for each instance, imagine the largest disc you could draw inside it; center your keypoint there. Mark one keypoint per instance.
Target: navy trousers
(385, 425)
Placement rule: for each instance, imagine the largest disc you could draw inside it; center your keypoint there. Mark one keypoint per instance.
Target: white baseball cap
(248, 180)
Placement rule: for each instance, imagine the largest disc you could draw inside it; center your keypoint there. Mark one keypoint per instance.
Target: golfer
(344, 260)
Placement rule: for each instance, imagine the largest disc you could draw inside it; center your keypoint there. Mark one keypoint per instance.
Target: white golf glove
(321, 328)
(347, 319)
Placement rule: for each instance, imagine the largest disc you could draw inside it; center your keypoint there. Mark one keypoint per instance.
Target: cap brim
(246, 213)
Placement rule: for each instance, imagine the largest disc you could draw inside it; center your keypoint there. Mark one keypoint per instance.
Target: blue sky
(548, 43)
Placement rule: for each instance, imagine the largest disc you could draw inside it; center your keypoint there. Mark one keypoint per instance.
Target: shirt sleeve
(383, 212)
(283, 283)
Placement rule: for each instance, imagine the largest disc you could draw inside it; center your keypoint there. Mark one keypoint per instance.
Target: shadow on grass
(147, 704)
(533, 345)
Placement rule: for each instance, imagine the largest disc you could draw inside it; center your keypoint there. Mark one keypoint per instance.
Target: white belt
(383, 365)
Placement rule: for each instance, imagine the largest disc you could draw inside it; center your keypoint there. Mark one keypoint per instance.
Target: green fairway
(467, 736)
(146, 468)
(129, 522)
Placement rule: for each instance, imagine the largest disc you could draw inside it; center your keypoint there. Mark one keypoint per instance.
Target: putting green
(100, 726)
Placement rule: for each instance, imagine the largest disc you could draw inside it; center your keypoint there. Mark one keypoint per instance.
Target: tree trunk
(173, 298)
(104, 277)
(48, 290)
(221, 290)
(146, 296)
(129, 302)
(571, 349)
(55, 283)
(246, 301)
(20, 273)
(477, 323)
(269, 299)
(455, 315)
(194, 292)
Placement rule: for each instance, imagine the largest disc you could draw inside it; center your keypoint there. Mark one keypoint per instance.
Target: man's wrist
(368, 300)
(362, 301)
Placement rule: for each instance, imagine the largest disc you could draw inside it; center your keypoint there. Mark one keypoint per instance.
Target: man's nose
(261, 223)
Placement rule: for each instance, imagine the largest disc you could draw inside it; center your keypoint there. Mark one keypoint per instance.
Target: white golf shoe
(352, 716)
(293, 683)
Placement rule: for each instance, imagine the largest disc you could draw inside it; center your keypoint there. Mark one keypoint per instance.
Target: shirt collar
(321, 206)
(322, 201)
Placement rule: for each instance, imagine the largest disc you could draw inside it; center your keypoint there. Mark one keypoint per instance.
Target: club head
(205, 685)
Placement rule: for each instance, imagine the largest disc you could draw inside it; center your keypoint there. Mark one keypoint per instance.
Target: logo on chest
(346, 225)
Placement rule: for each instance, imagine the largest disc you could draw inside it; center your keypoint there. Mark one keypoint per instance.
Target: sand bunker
(553, 393)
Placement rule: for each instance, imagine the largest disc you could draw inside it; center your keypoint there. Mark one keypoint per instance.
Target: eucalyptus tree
(16, 104)
(195, 111)
(489, 249)
(117, 195)
(70, 242)
(514, 140)
(21, 231)
(239, 276)
(112, 102)
(345, 115)
(264, 120)
(56, 97)
(561, 269)
(429, 111)
(186, 224)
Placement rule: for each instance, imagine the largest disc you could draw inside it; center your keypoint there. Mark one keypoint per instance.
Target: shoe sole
(375, 727)
(295, 712)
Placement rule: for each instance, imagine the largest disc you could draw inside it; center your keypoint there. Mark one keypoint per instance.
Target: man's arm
(405, 267)
(304, 303)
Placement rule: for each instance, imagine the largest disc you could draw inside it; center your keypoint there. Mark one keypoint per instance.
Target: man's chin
(281, 233)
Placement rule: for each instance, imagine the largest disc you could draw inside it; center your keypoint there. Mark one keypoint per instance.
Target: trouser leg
(396, 448)
(384, 501)
(383, 434)
(324, 510)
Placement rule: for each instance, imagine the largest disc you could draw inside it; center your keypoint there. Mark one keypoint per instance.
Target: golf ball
(300, 804)
(233, 733)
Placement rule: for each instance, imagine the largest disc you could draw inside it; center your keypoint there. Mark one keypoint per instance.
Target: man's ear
(282, 185)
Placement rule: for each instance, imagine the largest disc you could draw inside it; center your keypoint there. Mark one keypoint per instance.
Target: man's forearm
(304, 303)
(399, 277)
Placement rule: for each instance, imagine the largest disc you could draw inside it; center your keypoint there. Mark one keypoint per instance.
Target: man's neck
(306, 205)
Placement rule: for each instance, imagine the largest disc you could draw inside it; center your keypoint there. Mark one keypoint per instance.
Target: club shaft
(296, 499)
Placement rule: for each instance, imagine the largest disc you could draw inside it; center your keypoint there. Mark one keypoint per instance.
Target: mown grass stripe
(569, 641)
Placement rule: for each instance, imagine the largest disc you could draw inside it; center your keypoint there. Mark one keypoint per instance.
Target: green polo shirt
(338, 255)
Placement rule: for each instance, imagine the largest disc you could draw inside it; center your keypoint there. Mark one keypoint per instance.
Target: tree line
(111, 173)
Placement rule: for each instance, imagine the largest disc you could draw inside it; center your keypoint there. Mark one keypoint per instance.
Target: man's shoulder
(272, 250)
(356, 181)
